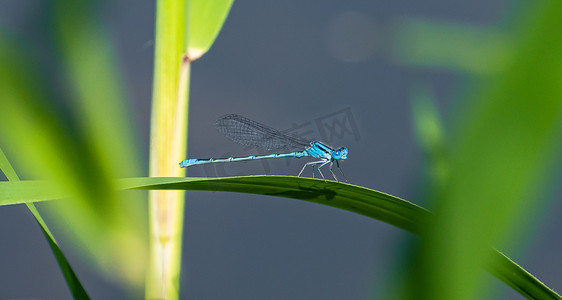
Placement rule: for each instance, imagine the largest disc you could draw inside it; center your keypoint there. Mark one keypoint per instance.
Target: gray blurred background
(281, 63)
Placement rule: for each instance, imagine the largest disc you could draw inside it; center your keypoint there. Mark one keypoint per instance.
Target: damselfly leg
(338, 165)
(320, 171)
(313, 164)
(331, 171)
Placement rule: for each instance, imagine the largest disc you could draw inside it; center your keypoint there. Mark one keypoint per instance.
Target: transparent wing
(251, 133)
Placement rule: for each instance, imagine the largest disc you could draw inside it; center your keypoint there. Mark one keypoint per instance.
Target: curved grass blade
(76, 288)
(364, 201)
(506, 270)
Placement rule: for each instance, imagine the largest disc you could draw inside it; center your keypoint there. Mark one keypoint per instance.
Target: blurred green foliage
(80, 142)
(430, 135)
(501, 153)
(429, 43)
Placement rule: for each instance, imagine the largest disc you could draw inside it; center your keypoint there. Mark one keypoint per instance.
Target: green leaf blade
(371, 203)
(364, 201)
(205, 22)
(76, 288)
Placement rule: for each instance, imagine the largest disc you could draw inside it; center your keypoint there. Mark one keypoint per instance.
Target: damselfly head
(340, 154)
